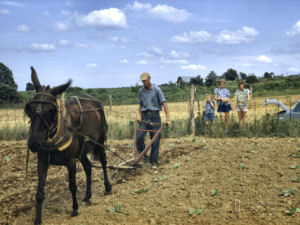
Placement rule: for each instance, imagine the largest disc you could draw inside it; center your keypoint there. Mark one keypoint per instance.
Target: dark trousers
(151, 116)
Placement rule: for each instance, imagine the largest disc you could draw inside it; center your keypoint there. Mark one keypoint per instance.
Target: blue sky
(108, 43)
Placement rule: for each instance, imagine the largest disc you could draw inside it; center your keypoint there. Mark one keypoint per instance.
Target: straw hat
(144, 76)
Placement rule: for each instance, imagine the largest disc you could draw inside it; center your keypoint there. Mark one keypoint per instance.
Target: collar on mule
(63, 137)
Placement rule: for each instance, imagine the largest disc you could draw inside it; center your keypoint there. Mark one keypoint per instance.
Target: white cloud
(177, 55)
(293, 69)
(42, 47)
(140, 6)
(4, 12)
(23, 28)
(245, 34)
(92, 65)
(125, 61)
(64, 42)
(65, 12)
(145, 54)
(169, 13)
(123, 40)
(80, 45)
(62, 25)
(71, 43)
(174, 61)
(193, 37)
(193, 67)
(13, 3)
(264, 59)
(68, 2)
(112, 17)
(155, 50)
(164, 12)
(142, 62)
(295, 30)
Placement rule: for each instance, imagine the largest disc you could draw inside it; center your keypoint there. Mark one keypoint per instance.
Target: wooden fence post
(192, 119)
(110, 102)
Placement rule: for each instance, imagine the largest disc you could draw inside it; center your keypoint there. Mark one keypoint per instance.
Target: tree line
(230, 75)
(175, 91)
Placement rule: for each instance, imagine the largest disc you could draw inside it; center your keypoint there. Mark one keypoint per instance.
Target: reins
(54, 130)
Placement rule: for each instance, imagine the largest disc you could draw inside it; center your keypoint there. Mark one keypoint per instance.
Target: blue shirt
(222, 93)
(209, 108)
(151, 99)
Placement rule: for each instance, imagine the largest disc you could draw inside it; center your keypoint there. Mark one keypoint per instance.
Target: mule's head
(42, 111)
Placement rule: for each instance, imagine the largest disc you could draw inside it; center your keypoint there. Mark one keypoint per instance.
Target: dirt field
(248, 196)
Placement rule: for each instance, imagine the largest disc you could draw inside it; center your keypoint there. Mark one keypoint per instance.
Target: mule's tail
(99, 150)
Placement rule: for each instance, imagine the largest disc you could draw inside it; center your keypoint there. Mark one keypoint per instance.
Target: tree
(136, 88)
(251, 79)
(6, 77)
(268, 75)
(243, 76)
(231, 74)
(211, 79)
(9, 95)
(198, 80)
(29, 87)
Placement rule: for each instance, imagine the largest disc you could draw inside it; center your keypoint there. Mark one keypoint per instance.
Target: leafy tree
(211, 79)
(136, 88)
(9, 95)
(29, 87)
(243, 76)
(231, 74)
(6, 76)
(198, 80)
(268, 75)
(251, 79)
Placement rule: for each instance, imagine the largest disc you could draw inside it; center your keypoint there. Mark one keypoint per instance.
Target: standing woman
(222, 97)
(242, 95)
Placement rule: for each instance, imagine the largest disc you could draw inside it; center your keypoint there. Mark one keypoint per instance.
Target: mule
(86, 118)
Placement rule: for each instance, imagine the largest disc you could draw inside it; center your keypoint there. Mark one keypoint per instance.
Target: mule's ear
(35, 79)
(61, 88)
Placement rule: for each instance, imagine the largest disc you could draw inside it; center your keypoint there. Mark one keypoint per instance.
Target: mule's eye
(52, 111)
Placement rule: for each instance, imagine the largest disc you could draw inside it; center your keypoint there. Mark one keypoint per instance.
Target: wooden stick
(139, 158)
(27, 162)
(134, 140)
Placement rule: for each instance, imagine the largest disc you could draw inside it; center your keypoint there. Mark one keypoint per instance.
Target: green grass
(17, 132)
(266, 126)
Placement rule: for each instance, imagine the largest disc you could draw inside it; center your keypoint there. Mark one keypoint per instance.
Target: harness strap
(45, 93)
(81, 112)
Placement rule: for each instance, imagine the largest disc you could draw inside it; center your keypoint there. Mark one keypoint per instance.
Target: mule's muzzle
(35, 144)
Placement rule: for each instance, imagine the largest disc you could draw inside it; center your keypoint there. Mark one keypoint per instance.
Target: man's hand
(168, 122)
(139, 120)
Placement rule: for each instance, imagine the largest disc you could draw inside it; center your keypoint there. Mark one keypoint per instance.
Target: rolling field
(178, 110)
(232, 181)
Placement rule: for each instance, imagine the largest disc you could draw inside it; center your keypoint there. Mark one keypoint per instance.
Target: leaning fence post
(110, 102)
(192, 119)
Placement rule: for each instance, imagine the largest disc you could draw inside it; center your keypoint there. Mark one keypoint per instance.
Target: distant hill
(278, 86)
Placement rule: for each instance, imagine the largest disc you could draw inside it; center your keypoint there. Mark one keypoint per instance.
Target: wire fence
(121, 118)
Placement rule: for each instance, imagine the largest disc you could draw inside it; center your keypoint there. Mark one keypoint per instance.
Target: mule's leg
(102, 159)
(42, 168)
(88, 172)
(72, 185)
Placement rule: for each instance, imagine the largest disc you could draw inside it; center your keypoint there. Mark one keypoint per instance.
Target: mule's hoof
(108, 188)
(87, 198)
(74, 213)
(37, 222)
